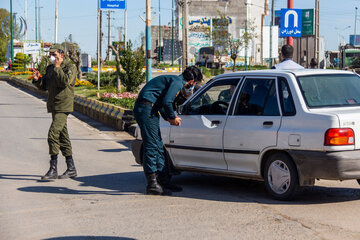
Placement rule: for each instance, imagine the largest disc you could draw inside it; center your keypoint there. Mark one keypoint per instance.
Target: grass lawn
(85, 91)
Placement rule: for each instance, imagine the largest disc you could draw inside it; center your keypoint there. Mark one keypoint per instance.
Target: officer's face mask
(52, 59)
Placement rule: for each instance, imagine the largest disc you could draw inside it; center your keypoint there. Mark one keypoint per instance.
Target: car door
(199, 141)
(253, 126)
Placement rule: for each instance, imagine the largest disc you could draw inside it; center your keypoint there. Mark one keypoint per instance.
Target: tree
(132, 63)
(225, 43)
(73, 51)
(219, 36)
(20, 62)
(3, 39)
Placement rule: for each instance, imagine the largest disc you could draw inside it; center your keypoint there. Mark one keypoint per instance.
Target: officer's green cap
(56, 47)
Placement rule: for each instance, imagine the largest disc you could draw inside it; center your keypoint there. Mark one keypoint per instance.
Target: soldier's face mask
(52, 59)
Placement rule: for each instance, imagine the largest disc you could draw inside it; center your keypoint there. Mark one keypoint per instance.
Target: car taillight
(339, 136)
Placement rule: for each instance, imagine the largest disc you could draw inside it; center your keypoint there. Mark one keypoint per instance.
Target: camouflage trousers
(58, 137)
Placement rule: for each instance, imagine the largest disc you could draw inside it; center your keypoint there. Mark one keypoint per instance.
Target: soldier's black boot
(52, 173)
(164, 181)
(153, 187)
(71, 170)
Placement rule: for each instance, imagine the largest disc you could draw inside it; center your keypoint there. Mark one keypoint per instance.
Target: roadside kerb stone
(109, 114)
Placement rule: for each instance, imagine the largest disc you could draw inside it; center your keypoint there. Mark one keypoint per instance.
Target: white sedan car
(287, 128)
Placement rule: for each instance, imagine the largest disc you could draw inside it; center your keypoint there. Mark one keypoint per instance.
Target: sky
(79, 18)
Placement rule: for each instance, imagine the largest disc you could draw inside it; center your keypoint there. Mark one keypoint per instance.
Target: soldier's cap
(56, 47)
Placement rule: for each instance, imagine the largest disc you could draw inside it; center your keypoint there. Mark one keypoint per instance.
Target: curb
(109, 114)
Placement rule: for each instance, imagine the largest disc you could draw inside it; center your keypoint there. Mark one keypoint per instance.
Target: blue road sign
(291, 22)
(112, 4)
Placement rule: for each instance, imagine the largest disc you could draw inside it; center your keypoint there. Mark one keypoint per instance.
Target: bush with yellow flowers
(83, 83)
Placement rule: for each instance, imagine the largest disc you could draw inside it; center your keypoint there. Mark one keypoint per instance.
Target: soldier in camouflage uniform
(59, 81)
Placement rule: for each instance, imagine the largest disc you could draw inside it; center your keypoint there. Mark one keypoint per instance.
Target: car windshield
(336, 90)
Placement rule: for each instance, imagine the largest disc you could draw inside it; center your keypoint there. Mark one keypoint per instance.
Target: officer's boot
(71, 170)
(164, 180)
(153, 187)
(52, 173)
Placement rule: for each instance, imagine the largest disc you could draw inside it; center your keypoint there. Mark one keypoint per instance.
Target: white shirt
(288, 64)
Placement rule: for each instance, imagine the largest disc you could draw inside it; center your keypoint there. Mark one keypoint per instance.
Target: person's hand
(36, 74)
(59, 60)
(175, 122)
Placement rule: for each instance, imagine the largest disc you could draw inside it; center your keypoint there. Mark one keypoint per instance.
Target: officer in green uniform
(158, 96)
(59, 81)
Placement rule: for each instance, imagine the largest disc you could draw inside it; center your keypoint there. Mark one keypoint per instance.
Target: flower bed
(126, 99)
(83, 83)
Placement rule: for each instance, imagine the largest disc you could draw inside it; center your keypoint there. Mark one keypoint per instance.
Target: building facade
(241, 13)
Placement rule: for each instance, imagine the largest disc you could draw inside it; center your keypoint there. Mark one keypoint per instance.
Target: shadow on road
(89, 238)
(200, 186)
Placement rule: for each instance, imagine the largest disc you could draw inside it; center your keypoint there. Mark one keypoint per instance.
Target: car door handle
(268, 123)
(215, 122)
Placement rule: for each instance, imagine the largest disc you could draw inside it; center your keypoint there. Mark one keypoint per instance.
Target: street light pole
(271, 33)
(98, 46)
(56, 21)
(12, 34)
(148, 40)
(159, 49)
(172, 33)
(355, 25)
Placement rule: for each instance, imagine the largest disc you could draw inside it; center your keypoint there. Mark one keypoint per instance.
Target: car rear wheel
(281, 177)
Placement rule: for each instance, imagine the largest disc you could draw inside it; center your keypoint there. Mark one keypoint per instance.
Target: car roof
(300, 72)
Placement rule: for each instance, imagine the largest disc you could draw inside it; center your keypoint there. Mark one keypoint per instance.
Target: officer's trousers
(58, 137)
(153, 150)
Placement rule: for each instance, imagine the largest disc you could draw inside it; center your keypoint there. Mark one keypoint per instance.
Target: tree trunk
(234, 59)
(118, 67)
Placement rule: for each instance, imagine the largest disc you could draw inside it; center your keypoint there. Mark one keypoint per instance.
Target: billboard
(308, 22)
(355, 41)
(32, 47)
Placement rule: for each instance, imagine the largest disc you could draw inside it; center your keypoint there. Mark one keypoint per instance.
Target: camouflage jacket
(59, 82)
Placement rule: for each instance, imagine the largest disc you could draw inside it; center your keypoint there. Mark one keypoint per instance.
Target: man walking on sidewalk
(59, 81)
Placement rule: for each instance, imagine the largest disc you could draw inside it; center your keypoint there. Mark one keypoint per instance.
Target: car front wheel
(281, 178)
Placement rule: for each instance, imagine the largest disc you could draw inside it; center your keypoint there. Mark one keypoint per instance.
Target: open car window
(258, 97)
(215, 100)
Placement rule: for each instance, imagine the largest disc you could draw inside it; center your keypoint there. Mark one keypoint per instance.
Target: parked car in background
(286, 128)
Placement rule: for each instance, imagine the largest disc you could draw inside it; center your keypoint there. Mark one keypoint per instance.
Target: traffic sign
(308, 22)
(291, 22)
(112, 4)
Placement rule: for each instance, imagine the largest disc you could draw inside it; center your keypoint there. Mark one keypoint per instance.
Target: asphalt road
(107, 199)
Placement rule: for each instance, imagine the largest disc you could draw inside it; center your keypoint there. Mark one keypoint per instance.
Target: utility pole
(289, 40)
(246, 28)
(109, 36)
(185, 24)
(148, 40)
(98, 46)
(101, 35)
(125, 26)
(355, 25)
(12, 34)
(159, 49)
(317, 30)
(25, 12)
(172, 32)
(56, 21)
(36, 21)
(271, 33)
(39, 21)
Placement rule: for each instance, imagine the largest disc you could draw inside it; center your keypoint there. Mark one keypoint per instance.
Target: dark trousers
(153, 150)
(58, 137)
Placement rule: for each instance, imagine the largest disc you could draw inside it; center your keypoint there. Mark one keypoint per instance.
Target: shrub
(20, 62)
